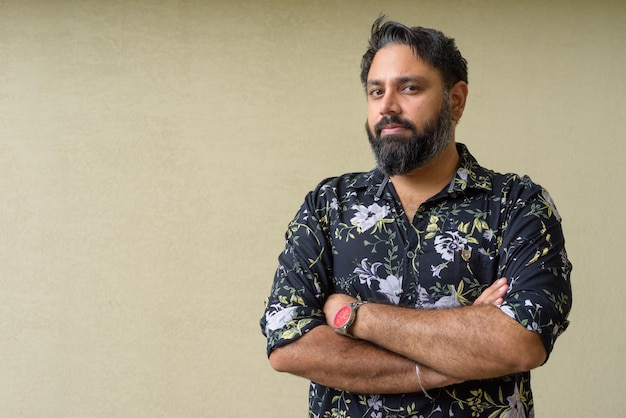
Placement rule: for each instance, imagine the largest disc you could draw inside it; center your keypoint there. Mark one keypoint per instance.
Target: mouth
(392, 129)
(393, 125)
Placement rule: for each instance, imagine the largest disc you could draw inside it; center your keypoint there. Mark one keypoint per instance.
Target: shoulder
(472, 175)
(514, 183)
(346, 184)
(510, 191)
(517, 186)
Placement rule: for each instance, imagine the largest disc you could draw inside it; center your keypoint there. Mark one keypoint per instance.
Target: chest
(444, 257)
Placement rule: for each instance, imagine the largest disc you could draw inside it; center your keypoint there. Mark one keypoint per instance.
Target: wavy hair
(430, 45)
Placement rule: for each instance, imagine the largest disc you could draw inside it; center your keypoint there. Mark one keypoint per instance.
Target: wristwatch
(345, 317)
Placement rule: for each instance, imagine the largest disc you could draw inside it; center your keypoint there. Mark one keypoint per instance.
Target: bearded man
(429, 286)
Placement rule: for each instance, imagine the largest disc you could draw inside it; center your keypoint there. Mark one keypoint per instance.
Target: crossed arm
(451, 345)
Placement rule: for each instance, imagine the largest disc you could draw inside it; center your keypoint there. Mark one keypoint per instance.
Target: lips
(392, 129)
(392, 125)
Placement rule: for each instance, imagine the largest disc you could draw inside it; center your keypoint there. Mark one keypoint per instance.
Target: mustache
(395, 120)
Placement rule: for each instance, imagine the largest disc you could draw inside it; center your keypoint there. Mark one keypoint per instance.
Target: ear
(458, 97)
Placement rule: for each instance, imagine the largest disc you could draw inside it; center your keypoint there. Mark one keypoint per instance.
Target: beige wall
(152, 153)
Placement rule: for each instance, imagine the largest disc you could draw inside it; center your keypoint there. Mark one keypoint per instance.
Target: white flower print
(375, 402)
(367, 216)
(533, 327)
(556, 330)
(529, 302)
(280, 318)
(367, 272)
(512, 282)
(436, 270)
(391, 287)
(426, 301)
(516, 406)
(449, 301)
(448, 244)
(507, 309)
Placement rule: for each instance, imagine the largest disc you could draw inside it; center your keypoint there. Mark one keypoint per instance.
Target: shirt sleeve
(534, 260)
(301, 281)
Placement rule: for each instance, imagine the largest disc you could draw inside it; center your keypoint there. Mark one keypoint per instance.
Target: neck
(434, 175)
(416, 187)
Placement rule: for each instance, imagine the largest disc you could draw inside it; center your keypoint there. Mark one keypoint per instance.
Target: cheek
(420, 116)
(372, 117)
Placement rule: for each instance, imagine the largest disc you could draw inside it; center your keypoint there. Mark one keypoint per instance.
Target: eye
(412, 88)
(375, 92)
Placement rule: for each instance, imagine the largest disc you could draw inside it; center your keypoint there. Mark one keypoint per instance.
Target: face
(409, 120)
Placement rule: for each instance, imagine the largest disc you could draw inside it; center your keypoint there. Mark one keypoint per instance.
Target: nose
(389, 104)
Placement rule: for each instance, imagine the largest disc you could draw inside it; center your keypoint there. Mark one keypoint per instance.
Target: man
(429, 286)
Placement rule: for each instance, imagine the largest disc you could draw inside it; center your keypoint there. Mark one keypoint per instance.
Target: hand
(333, 303)
(494, 294)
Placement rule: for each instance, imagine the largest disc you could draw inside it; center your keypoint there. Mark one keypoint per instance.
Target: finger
(494, 294)
(486, 296)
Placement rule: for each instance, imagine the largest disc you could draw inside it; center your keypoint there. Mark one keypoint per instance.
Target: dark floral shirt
(351, 236)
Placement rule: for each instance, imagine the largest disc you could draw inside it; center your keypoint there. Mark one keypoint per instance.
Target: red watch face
(342, 316)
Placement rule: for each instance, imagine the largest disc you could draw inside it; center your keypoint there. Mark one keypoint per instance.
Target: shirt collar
(470, 175)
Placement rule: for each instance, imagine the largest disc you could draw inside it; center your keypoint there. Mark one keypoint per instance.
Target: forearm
(353, 365)
(472, 342)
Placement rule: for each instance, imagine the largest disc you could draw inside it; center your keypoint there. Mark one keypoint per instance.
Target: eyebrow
(400, 80)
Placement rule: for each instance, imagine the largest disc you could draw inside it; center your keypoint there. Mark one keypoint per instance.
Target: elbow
(531, 355)
(279, 360)
(536, 359)
(296, 357)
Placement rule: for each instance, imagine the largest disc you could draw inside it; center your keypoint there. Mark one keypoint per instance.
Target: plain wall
(153, 152)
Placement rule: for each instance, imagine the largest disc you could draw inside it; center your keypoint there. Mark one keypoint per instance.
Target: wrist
(345, 318)
(419, 379)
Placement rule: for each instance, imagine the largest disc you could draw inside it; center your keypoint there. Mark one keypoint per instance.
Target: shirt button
(410, 254)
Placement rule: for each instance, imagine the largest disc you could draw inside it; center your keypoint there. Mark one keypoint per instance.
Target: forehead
(396, 61)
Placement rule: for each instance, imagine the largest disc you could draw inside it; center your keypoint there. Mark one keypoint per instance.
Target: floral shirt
(351, 236)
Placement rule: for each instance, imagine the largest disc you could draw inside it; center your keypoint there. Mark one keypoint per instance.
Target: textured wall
(152, 153)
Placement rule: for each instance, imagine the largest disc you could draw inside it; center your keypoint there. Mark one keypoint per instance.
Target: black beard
(397, 155)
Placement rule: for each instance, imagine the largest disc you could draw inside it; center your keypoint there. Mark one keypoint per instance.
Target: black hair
(430, 45)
